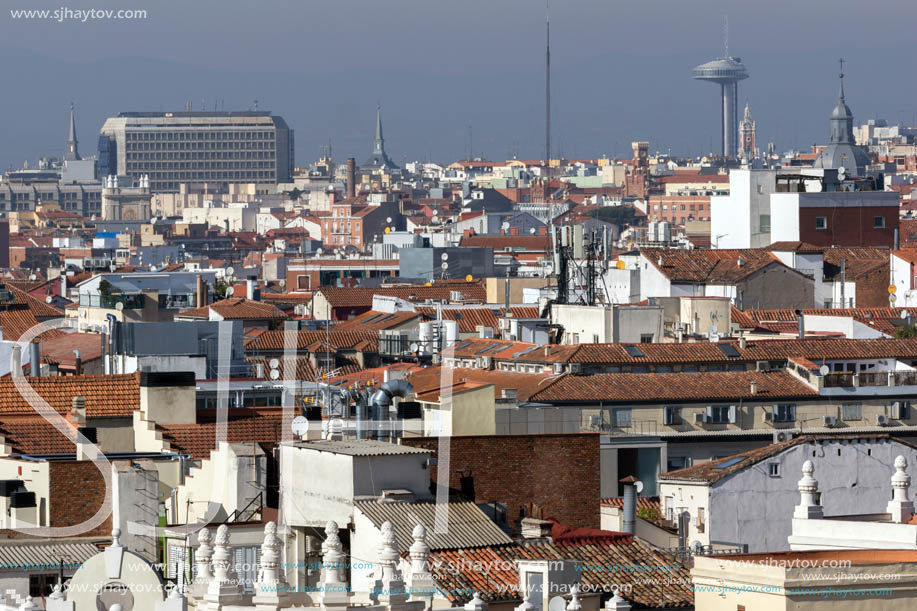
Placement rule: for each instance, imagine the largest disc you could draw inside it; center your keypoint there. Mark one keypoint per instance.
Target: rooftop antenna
(726, 34)
(547, 83)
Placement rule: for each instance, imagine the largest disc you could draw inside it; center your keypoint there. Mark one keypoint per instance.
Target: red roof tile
(106, 395)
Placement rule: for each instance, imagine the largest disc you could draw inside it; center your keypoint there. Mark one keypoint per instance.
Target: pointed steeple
(73, 153)
(379, 158)
(379, 143)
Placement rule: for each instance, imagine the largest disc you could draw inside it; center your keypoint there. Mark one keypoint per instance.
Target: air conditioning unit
(881, 420)
(768, 416)
(781, 436)
(830, 420)
(700, 418)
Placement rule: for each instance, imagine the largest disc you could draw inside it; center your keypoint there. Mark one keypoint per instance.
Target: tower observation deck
(726, 72)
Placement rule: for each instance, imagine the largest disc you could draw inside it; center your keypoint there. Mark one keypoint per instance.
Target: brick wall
(559, 473)
(77, 492)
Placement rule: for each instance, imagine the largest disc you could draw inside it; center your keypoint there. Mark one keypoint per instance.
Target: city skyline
(597, 78)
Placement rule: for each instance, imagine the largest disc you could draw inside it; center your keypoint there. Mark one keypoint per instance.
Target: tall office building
(194, 147)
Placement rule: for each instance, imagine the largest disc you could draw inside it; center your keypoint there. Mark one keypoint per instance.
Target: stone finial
(389, 587)
(202, 557)
(224, 587)
(419, 551)
(574, 604)
(333, 570)
(271, 586)
(526, 604)
(116, 537)
(809, 507)
(900, 508)
(617, 602)
(332, 539)
(476, 603)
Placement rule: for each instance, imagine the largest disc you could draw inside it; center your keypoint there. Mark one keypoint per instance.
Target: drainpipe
(629, 513)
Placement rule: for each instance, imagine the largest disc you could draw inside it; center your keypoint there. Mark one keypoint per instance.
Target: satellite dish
(275, 373)
(824, 370)
(639, 486)
(388, 219)
(230, 271)
(415, 347)
(300, 426)
(274, 363)
(841, 173)
(445, 265)
(532, 230)
(557, 603)
(119, 306)
(904, 314)
(49, 299)
(320, 251)
(444, 256)
(505, 225)
(32, 276)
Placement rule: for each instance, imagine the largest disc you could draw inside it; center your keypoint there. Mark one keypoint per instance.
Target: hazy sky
(621, 71)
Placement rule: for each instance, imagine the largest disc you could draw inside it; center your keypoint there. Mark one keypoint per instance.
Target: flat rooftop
(365, 447)
(855, 557)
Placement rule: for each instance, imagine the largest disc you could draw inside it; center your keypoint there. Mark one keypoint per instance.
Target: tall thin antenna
(726, 34)
(547, 94)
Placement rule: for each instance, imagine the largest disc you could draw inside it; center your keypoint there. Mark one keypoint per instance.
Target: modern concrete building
(726, 72)
(188, 147)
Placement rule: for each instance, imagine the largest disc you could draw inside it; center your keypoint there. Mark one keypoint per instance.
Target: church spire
(73, 153)
(841, 95)
(379, 144)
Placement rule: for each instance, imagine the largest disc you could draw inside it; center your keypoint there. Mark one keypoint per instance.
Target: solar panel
(464, 344)
(634, 352)
(729, 350)
(526, 351)
(483, 350)
(374, 317)
(729, 463)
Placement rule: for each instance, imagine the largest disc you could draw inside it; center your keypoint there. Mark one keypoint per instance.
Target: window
(621, 417)
(852, 411)
(878, 222)
(41, 585)
(646, 338)
(821, 223)
(773, 469)
(764, 223)
(721, 414)
(671, 414)
(245, 562)
(785, 412)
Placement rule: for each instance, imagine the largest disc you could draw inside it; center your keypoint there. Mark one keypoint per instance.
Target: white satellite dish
(444, 256)
(388, 219)
(300, 426)
(505, 225)
(639, 486)
(415, 347)
(320, 251)
(445, 265)
(824, 370)
(275, 373)
(274, 363)
(841, 173)
(119, 306)
(230, 271)
(904, 314)
(49, 299)
(557, 603)
(532, 230)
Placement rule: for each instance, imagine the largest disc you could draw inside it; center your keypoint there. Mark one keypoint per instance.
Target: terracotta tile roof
(648, 505)
(312, 341)
(106, 395)
(34, 435)
(427, 379)
(657, 387)
(604, 562)
(741, 318)
(363, 296)
(711, 352)
(714, 470)
(198, 440)
(39, 308)
(469, 318)
(377, 321)
(237, 308)
(16, 320)
(59, 349)
(371, 377)
(303, 366)
(804, 248)
(709, 265)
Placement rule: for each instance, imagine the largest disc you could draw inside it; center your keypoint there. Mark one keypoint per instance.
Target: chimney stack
(17, 360)
(754, 387)
(198, 292)
(351, 177)
(801, 324)
(78, 363)
(743, 341)
(34, 359)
